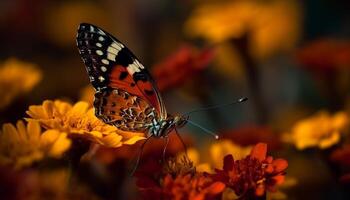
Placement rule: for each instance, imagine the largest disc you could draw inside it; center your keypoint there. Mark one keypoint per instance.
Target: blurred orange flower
(321, 130)
(17, 77)
(79, 120)
(252, 134)
(181, 66)
(22, 145)
(254, 174)
(273, 25)
(325, 55)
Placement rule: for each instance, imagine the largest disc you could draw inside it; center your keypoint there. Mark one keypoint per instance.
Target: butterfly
(126, 96)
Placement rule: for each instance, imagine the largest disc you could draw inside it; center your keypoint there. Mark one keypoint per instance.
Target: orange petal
(259, 151)
(216, 188)
(280, 165)
(279, 179)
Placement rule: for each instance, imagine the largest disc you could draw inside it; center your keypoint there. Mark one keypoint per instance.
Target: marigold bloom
(254, 174)
(179, 181)
(79, 119)
(17, 77)
(185, 63)
(22, 145)
(321, 130)
(273, 25)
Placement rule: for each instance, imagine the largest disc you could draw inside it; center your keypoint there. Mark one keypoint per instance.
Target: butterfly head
(180, 120)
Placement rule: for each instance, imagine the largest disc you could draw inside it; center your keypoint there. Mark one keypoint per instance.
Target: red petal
(280, 165)
(228, 162)
(216, 188)
(279, 179)
(259, 151)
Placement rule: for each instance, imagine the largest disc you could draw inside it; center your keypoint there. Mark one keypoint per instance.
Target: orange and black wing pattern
(116, 73)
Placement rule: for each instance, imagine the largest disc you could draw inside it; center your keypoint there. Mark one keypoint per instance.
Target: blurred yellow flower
(17, 77)
(22, 145)
(321, 130)
(272, 25)
(217, 152)
(79, 119)
(220, 149)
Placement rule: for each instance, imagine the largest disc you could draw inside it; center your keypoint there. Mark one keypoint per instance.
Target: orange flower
(325, 54)
(79, 120)
(181, 66)
(253, 175)
(273, 25)
(321, 130)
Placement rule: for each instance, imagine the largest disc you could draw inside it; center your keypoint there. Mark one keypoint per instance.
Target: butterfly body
(126, 95)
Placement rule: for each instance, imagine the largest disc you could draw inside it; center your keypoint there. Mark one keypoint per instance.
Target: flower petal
(228, 162)
(259, 151)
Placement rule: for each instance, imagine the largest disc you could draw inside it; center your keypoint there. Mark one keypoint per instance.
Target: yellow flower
(217, 152)
(22, 145)
(321, 130)
(272, 25)
(79, 119)
(220, 149)
(17, 77)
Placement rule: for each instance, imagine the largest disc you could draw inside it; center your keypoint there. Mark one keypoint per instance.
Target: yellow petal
(60, 146)
(111, 140)
(133, 140)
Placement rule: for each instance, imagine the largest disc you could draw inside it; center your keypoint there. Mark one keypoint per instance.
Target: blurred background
(290, 58)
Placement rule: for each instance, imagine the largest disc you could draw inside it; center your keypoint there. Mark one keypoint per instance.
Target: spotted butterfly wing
(126, 95)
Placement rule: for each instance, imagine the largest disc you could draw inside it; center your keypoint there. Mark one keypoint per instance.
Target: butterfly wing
(112, 68)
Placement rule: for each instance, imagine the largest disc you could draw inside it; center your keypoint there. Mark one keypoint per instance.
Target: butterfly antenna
(243, 99)
(204, 129)
(139, 156)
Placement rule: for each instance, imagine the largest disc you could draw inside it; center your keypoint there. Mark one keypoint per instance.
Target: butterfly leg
(165, 147)
(182, 142)
(140, 154)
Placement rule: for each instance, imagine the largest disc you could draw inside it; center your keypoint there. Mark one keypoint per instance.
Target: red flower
(253, 175)
(325, 55)
(178, 181)
(181, 66)
(250, 135)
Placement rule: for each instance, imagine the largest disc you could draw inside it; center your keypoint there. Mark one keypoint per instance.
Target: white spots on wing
(98, 44)
(113, 50)
(92, 29)
(101, 32)
(91, 78)
(101, 78)
(105, 61)
(103, 69)
(137, 63)
(134, 67)
(111, 57)
(99, 52)
(117, 45)
(101, 38)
